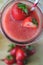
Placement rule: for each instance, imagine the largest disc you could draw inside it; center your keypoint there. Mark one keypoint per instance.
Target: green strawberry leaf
(11, 46)
(9, 57)
(35, 21)
(25, 10)
(29, 47)
(23, 7)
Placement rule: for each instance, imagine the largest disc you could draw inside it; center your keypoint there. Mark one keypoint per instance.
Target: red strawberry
(13, 51)
(19, 11)
(30, 50)
(20, 55)
(20, 63)
(9, 60)
(30, 22)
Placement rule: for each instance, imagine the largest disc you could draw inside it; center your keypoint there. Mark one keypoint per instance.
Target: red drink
(13, 29)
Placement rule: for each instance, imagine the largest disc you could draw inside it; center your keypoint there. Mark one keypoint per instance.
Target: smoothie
(12, 27)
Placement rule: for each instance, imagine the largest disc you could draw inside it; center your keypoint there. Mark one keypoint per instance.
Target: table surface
(36, 59)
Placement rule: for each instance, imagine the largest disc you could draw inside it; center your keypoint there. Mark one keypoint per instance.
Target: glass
(25, 42)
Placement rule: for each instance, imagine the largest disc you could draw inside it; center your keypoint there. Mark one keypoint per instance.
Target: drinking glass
(40, 15)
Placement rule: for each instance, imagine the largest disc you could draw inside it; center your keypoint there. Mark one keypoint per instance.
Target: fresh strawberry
(13, 51)
(20, 63)
(30, 50)
(19, 11)
(30, 22)
(20, 55)
(9, 60)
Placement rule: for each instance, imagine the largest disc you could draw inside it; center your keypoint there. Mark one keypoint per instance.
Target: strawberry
(30, 22)
(20, 63)
(20, 55)
(9, 60)
(19, 11)
(30, 50)
(13, 51)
